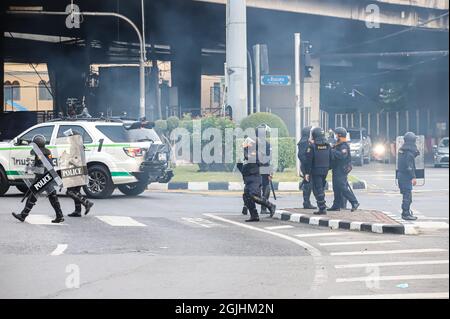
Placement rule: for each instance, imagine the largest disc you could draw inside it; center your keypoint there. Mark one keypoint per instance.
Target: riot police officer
(250, 170)
(266, 170)
(75, 194)
(39, 140)
(341, 166)
(407, 173)
(303, 145)
(318, 161)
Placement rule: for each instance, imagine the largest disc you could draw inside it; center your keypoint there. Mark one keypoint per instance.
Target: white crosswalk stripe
(42, 220)
(278, 227)
(393, 278)
(388, 252)
(393, 264)
(120, 221)
(428, 295)
(367, 242)
(320, 235)
(201, 222)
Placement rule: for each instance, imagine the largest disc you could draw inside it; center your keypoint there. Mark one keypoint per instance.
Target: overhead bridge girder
(401, 14)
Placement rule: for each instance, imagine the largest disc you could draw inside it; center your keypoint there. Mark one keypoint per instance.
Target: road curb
(239, 186)
(399, 229)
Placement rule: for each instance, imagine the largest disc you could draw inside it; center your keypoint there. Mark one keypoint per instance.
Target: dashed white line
(59, 250)
(429, 295)
(368, 242)
(388, 252)
(279, 227)
(200, 222)
(393, 264)
(120, 221)
(319, 235)
(392, 278)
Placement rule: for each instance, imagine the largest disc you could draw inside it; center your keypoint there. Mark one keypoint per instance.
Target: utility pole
(252, 89)
(298, 78)
(257, 51)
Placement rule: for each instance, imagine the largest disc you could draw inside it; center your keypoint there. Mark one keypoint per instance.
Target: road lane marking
(59, 250)
(42, 220)
(367, 242)
(279, 227)
(120, 221)
(393, 278)
(321, 275)
(319, 235)
(201, 222)
(426, 295)
(389, 252)
(388, 264)
(431, 225)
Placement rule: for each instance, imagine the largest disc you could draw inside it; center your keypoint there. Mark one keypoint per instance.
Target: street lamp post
(108, 14)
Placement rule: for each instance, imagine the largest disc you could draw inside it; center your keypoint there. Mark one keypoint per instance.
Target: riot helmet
(410, 138)
(318, 135)
(306, 132)
(340, 132)
(39, 140)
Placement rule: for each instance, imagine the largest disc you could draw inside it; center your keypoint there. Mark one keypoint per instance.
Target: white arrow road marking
(118, 221)
(279, 227)
(389, 252)
(321, 275)
(367, 242)
(429, 295)
(387, 278)
(59, 250)
(388, 264)
(42, 220)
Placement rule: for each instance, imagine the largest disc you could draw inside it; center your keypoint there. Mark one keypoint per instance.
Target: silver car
(441, 153)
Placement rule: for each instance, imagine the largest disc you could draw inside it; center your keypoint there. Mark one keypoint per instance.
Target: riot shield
(41, 180)
(72, 161)
(420, 160)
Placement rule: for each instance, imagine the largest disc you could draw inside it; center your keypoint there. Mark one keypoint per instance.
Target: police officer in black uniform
(341, 166)
(266, 170)
(250, 170)
(303, 145)
(318, 161)
(407, 173)
(78, 198)
(39, 140)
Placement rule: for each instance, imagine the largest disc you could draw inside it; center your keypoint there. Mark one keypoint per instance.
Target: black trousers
(32, 199)
(78, 198)
(265, 181)
(252, 189)
(318, 187)
(341, 190)
(406, 190)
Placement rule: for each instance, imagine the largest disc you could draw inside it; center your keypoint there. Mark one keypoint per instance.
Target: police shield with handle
(407, 171)
(306, 186)
(318, 163)
(342, 166)
(73, 170)
(46, 180)
(250, 170)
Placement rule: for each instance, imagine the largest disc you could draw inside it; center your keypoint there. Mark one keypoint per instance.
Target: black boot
(321, 211)
(57, 207)
(355, 207)
(244, 211)
(75, 214)
(265, 203)
(19, 217)
(408, 215)
(87, 206)
(266, 195)
(308, 205)
(334, 209)
(253, 217)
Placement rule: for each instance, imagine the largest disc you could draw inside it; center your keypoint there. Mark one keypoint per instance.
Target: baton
(273, 190)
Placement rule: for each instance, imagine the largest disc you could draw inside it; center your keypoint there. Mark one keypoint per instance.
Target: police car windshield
(355, 135)
(444, 143)
(118, 134)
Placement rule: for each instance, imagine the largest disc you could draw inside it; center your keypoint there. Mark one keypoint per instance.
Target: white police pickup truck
(128, 155)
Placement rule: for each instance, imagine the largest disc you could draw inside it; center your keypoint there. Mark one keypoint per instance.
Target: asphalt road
(196, 245)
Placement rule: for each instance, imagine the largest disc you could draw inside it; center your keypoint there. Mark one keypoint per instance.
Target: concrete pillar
(311, 92)
(2, 49)
(236, 57)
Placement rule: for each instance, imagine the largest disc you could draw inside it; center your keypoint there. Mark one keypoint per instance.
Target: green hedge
(274, 121)
(287, 152)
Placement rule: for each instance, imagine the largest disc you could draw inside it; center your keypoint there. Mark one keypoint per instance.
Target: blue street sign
(276, 80)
